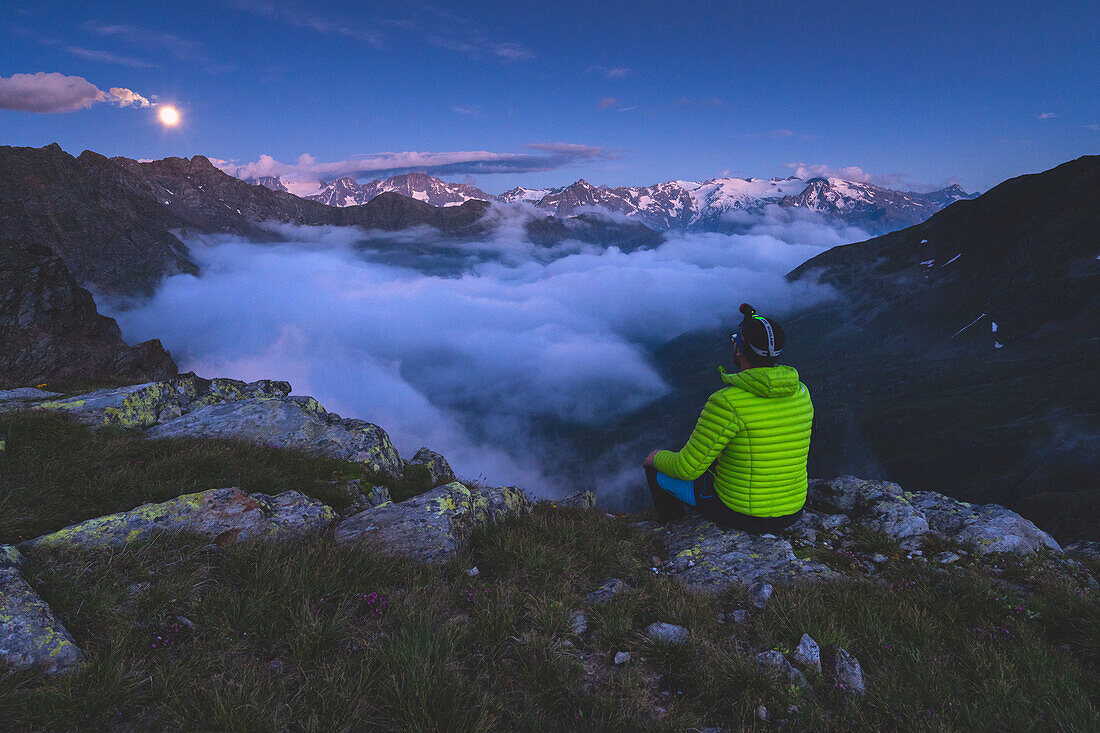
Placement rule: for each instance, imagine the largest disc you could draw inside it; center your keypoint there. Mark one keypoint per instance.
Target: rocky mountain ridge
(711, 205)
(116, 223)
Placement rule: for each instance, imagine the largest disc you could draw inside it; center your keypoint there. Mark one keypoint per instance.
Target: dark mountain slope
(107, 227)
(50, 330)
(113, 221)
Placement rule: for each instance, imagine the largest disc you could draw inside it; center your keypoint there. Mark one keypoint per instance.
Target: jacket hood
(776, 381)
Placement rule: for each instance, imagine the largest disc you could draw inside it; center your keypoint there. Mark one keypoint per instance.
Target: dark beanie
(755, 330)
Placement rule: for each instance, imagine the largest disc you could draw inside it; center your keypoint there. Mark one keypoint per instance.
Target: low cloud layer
(468, 347)
(546, 156)
(51, 92)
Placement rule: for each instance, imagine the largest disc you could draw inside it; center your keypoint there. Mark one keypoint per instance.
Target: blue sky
(912, 94)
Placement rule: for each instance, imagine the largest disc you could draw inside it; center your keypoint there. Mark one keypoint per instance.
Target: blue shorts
(682, 490)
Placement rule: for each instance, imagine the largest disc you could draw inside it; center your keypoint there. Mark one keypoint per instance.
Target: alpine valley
(959, 355)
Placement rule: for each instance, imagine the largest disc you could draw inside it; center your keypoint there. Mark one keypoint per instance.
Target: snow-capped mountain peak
(347, 192)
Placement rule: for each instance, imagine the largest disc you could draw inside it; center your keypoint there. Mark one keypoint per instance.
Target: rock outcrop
(260, 412)
(908, 516)
(229, 514)
(704, 557)
(438, 468)
(436, 525)
(50, 329)
(289, 423)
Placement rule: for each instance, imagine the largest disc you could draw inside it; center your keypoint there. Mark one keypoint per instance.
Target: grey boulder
(31, 635)
(227, 514)
(438, 468)
(665, 633)
(434, 526)
(297, 423)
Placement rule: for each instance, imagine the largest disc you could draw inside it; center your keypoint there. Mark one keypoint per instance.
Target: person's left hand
(649, 459)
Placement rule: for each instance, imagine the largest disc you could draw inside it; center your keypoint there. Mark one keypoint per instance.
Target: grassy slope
(253, 637)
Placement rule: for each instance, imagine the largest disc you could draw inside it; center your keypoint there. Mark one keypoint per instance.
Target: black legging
(710, 506)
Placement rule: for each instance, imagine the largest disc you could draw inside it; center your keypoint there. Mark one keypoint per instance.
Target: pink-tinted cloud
(466, 162)
(848, 173)
(608, 102)
(51, 92)
(1047, 115)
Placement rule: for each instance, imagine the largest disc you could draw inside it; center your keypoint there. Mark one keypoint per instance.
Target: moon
(169, 116)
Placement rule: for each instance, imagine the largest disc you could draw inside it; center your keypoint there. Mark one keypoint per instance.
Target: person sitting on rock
(744, 466)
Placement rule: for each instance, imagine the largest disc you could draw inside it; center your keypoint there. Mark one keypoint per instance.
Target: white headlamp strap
(772, 351)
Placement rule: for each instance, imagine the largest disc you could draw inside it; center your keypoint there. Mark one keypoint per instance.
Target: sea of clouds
(465, 346)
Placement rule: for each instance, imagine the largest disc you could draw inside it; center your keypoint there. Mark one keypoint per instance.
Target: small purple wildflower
(372, 604)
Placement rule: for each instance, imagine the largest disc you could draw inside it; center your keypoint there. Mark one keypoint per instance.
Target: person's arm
(717, 425)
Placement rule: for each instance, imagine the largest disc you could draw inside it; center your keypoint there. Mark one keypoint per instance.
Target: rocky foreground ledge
(828, 544)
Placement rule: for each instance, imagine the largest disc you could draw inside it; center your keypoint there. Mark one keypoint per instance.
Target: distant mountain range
(717, 204)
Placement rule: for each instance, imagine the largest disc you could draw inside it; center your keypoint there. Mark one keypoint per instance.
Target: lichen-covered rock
(30, 634)
(145, 405)
(704, 557)
(227, 513)
(578, 500)
(990, 527)
(131, 406)
(438, 468)
(433, 526)
(10, 558)
(297, 423)
(879, 505)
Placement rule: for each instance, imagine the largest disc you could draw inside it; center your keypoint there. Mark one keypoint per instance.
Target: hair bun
(747, 310)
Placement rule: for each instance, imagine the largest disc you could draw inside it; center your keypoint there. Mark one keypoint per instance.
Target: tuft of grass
(56, 472)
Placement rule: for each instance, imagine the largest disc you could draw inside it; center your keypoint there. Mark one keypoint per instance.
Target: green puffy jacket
(758, 429)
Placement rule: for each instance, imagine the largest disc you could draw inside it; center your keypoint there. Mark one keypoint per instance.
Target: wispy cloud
(781, 134)
(608, 103)
(110, 58)
(1047, 115)
(549, 156)
(179, 48)
(610, 72)
(51, 92)
(478, 47)
(300, 15)
(468, 111)
(1094, 128)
